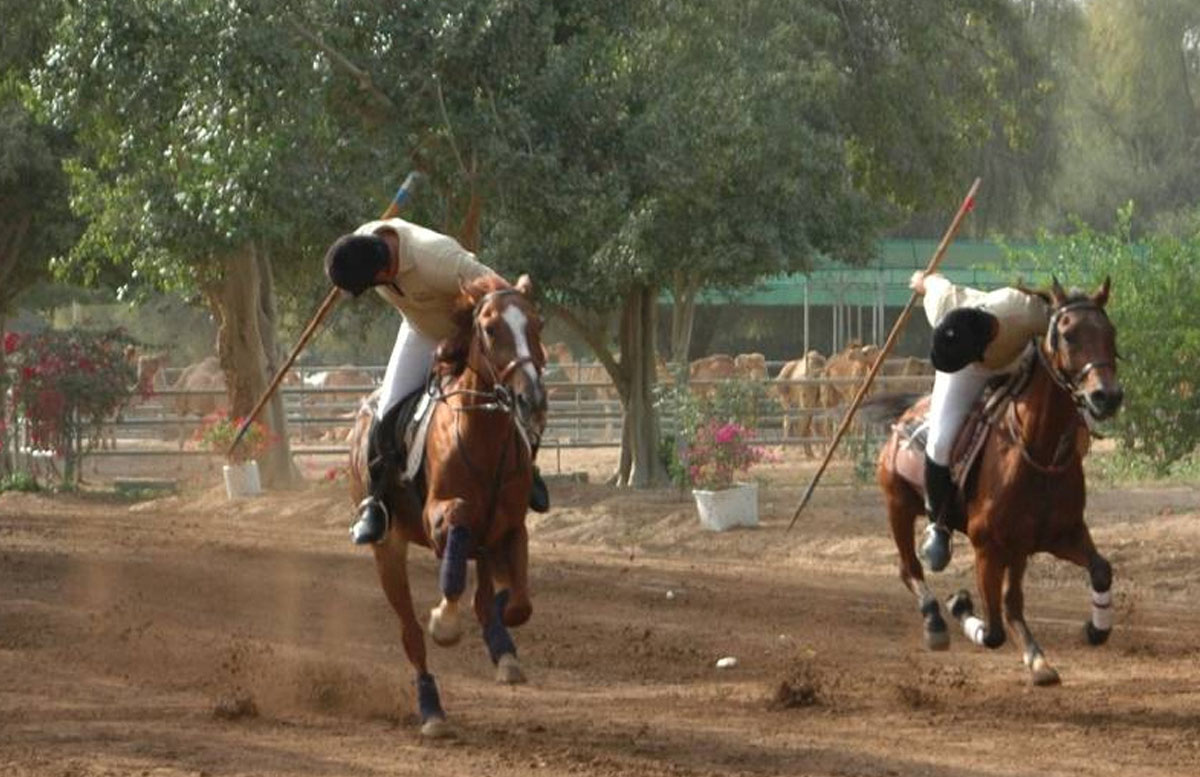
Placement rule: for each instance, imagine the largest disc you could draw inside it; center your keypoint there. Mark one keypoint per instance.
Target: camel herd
(806, 388)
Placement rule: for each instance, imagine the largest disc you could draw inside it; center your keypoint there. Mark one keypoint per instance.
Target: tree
(202, 135)
(36, 224)
(1132, 122)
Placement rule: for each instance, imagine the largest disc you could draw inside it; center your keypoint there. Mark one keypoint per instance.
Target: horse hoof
(1095, 636)
(443, 630)
(1045, 675)
(437, 728)
(508, 670)
(937, 640)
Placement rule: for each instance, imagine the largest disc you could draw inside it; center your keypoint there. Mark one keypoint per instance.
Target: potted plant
(716, 453)
(241, 468)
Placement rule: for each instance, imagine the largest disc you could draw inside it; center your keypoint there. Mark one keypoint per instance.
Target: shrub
(1155, 296)
(217, 431)
(65, 385)
(717, 452)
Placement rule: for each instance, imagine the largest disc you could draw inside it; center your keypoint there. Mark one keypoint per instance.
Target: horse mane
(451, 356)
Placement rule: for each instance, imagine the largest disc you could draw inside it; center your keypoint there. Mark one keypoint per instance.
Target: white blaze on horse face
(516, 320)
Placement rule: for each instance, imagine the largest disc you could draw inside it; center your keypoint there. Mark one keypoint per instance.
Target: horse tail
(887, 408)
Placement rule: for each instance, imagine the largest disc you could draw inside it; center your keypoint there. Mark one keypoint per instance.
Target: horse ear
(1057, 295)
(1101, 295)
(524, 285)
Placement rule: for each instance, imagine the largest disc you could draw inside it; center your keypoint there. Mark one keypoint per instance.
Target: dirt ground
(190, 635)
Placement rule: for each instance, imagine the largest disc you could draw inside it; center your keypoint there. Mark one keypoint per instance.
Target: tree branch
(365, 82)
(593, 337)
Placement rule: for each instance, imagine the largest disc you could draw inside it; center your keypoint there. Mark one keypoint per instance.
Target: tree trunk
(683, 313)
(640, 465)
(7, 436)
(244, 351)
(280, 469)
(634, 376)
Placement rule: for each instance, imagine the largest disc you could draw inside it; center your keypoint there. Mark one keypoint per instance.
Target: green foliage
(19, 481)
(1155, 290)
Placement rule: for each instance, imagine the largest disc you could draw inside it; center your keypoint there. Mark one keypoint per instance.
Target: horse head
(505, 348)
(1081, 349)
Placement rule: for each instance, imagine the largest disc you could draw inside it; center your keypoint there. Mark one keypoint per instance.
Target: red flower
(12, 341)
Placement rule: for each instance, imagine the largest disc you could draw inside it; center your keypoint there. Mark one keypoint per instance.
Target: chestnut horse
(1027, 492)
(488, 408)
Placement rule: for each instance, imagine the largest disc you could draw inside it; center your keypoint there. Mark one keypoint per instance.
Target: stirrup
(373, 522)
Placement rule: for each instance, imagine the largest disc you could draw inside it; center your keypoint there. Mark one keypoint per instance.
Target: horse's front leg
(1014, 615)
(391, 565)
(510, 605)
(1082, 551)
(989, 578)
(445, 623)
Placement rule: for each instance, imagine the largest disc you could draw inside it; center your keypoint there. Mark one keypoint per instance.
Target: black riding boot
(940, 493)
(383, 457)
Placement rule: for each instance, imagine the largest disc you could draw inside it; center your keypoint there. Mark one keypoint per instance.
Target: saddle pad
(415, 433)
(910, 453)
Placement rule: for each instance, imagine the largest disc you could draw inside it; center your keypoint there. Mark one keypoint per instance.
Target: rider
(976, 336)
(420, 273)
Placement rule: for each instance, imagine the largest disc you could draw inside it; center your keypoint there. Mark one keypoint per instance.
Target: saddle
(409, 422)
(913, 432)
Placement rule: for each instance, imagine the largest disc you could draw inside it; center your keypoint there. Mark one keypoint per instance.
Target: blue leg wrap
(495, 634)
(454, 561)
(428, 702)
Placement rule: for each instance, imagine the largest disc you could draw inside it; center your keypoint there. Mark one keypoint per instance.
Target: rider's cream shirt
(432, 266)
(1022, 316)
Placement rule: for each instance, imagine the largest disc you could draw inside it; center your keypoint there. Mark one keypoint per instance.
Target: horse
(1026, 493)
(487, 408)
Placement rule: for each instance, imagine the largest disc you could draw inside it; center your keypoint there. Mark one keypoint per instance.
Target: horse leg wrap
(495, 635)
(975, 629)
(454, 561)
(428, 702)
(1102, 614)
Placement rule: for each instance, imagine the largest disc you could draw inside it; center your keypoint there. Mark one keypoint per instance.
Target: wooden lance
(967, 205)
(331, 299)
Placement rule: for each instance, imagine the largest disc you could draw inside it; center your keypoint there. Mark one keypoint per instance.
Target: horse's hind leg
(1014, 616)
(1082, 551)
(390, 563)
(445, 625)
(903, 508)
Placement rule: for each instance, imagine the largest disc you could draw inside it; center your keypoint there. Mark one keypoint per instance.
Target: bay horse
(1026, 493)
(487, 410)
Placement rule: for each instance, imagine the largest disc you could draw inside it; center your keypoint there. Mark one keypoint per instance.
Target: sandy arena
(190, 635)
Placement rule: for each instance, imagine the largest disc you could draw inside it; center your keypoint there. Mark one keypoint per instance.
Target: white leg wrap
(974, 628)
(1102, 614)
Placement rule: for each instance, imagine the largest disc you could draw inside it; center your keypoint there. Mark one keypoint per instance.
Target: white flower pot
(729, 507)
(241, 479)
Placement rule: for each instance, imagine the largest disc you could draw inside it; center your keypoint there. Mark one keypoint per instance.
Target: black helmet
(353, 261)
(961, 337)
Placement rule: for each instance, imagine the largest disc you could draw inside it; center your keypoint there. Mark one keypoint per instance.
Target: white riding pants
(408, 367)
(953, 395)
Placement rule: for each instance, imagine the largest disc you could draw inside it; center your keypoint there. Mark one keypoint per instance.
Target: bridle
(1070, 384)
(498, 379)
(1063, 379)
